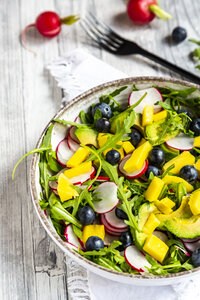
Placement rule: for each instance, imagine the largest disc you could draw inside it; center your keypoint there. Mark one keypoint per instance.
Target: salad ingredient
(168, 179)
(154, 189)
(192, 246)
(169, 152)
(179, 162)
(143, 12)
(160, 115)
(93, 230)
(102, 125)
(152, 169)
(196, 142)
(136, 259)
(86, 135)
(151, 224)
(65, 188)
(134, 174)
(86, 215)
(78, 157)
(120, 214)
(155, 247)
(181, 142)
(126, 239)
(165, 205)
(109, 229)
(161, 235)
(104, 108)
(196, 52)
(72, 134)
(156, 157)
(63, 153)
(137, 159)
(107, 195)
(152, 96)
(179, 34)
(78, 170)
(147, 115)
(194, 202)
(113, 157)
(73, 146)
(195, 126)
(189, 173)
(114, 221)
(118, 119)
(135, 136)
(128, 147)
(197, 166)
(94, 243)
(196, 257)
(71, 236)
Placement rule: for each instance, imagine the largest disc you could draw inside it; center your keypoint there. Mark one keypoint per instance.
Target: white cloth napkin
(75, 73)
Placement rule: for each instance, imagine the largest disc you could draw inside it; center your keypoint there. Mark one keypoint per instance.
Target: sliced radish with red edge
(161, 235)
(63, 153)
(136, 259)
(190, 240)
(192, 246)
(181, 142)
(109, 229)
(134, 174)
(114, 221)
(101, 178)
(72, 134)
(71, 237)
(73, 146)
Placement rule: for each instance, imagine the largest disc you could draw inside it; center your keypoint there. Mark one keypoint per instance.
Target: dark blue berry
(86, 215)
(179, 34)
(152, 169)
(189, 173)
(104, 108)
(135, 136)
(94, 243)
(120, 214)
(126, 239)
(196, 257)
(195, 126)
(156, 157)
(102, 125)
(113, 157)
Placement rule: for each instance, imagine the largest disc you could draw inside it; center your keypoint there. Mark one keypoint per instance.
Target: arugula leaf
(110, 98)
(78, 232)
(44, 176)
(196, 51)
(64, 122)
(97, 115)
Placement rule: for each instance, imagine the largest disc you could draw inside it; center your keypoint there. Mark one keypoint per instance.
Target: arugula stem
(64, 122)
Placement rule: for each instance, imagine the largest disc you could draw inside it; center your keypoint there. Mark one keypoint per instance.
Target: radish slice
(113, 221)
(136, 259)
(53, 185)
(153, 96)
(109, 229)
(190, 240)
(77, 120)
(59, 133)
(181, 142)
(192, 246)
(73, 146)
(183, 250)
(107, 192)
(109, 239)
(72, 134)
(134, 174)
(161, 235)
(101, 178)
(71, 237)
(63, 153)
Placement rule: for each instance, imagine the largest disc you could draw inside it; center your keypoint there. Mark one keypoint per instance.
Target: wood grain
(32, 266)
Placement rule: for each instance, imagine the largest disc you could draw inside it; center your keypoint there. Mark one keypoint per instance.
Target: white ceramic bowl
(69, 112)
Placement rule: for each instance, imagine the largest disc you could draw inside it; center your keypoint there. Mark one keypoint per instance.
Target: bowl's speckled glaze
(69, 112)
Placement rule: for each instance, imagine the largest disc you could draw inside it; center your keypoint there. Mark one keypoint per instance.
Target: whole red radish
(144, 11)
(48, 24)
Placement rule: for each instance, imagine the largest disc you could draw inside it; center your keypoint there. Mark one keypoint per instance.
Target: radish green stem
(70, 19)
(159, 12)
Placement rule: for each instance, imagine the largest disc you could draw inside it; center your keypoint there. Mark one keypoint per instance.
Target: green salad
(122, 187)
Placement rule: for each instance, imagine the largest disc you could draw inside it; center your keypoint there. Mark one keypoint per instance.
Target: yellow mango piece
(65, 188)
(81, 169)
(141, 142)
(102, 138)
(168, 179)
(197, 166)
(194, 202)
(160, 115)
(185, 158)
(151, 224)
(93, 230)
(155, 247)
(128, 147)
(147, 115)
(154, 189)
(165, 205)
(78, 157)
(137, 159)
(197, 142)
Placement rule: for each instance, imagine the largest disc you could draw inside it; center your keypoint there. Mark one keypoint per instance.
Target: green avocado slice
(87, 136)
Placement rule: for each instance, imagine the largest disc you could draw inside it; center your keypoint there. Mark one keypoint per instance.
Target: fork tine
(86, 29)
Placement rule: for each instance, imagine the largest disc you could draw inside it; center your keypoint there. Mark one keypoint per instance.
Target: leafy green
(196, 51)
(109, 99)
(78, 232)
(64, 122)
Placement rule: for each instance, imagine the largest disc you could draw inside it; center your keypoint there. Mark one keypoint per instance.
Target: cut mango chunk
(93, 230)
(81, 169)
(151, 224)
(137, 159)
(102, 138)
(147, 115)
(128, 147)
(194, 202)
(185, 158)
(65, 188)
(141, 142)
(160, 116)
(78, 157)
(197, 166)
(197, 142)
(156, 248)
(168, 179)
(165, 205)
(154, 189)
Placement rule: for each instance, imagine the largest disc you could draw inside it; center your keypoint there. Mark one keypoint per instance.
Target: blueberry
(113, 157)
(196, 257)
(86, 215)
(189, 173)
(156, 157)
(102, 125)
(120, 214)
(153, 169)
(135, 136)
(126, 239)
(195, 126)
(94, 243)
(104, 108)
(179, 34)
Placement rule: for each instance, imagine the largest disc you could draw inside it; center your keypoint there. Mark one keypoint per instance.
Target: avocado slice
(169, 153)
(181, 222)
(119, 118)
(87, 136)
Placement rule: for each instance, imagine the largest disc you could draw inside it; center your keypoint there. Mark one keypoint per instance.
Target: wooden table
(31, 264)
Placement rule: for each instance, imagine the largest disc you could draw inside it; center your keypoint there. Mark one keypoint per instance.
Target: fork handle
(170, 66)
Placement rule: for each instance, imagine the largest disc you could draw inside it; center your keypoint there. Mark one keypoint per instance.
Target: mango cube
(168, 179)
(141, 142)
(78, 157)
(128, 147)
(137, 159)
(151, 224)
(185, 158)
(194, 202)
(65, 188)
(102, 138)
(197, 166)
(165, 205)
(155, 247)
(93, 230)
(81, 169)
(160, 116)
(154, 189)
(197, 142)
(147, 115)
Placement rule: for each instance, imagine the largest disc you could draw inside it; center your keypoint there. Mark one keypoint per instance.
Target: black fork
(109, 40)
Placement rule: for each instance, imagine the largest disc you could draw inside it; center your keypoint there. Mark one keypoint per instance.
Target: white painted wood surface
(31, 266)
